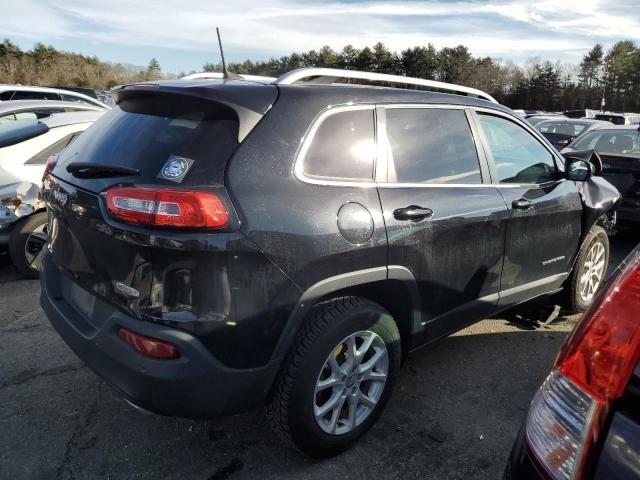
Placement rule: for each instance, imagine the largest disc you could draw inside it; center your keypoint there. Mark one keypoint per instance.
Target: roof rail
(218, 76)
(331, 75)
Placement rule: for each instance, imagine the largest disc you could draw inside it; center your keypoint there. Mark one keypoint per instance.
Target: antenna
(225, 73)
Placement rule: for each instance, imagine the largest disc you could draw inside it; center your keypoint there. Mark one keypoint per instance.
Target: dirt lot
(456, 410)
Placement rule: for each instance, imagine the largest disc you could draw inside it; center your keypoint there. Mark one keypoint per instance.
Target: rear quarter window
(342, 147)
(145, 131)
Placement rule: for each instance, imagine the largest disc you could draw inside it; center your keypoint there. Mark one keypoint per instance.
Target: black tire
(291, 405)
(574, 302)
(18, 241)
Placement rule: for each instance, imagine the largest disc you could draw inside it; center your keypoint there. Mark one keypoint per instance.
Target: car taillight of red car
(568, 413)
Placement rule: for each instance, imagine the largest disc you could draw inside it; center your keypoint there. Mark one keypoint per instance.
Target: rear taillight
(592, 370)
(166, 208)
(148, 346)
(51, 162)
(562, 143)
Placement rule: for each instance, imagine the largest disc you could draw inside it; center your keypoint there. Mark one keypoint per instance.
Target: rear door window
(431, 145)
(519, 157)
(342, 147)
(145, 132)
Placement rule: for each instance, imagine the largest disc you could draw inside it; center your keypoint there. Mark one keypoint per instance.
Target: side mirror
(578, 170)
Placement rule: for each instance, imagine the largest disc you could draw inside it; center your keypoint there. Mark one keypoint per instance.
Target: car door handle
(522, 204)
(412, 212)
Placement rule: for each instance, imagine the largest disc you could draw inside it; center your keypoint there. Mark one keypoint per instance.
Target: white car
(12, 110)
(24, 92)
(25, 146)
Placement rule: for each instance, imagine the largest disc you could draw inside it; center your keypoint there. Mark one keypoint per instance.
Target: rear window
(147, 131)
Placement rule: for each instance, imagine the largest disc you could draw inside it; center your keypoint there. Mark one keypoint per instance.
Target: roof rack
(331, 75)
(218, 76)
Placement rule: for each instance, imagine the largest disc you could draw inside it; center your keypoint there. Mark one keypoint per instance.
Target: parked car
(12, 110)
(102, 95)
(23, 92)
(562, 132)
(217, 246)
(584, 113)
(535, 119)
(584, 421)
(619, 149)
(619, 118)
(25, 146)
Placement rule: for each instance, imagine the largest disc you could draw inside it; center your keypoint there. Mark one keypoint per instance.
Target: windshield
(610, 141)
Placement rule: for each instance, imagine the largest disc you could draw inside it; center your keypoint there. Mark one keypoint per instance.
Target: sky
(181, 34)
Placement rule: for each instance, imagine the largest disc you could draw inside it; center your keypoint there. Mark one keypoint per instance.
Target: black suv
(217, 245)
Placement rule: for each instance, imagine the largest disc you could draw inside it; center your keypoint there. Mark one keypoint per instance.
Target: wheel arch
(392, 287)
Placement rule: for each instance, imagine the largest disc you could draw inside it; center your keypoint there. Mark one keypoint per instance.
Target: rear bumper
(194, 385)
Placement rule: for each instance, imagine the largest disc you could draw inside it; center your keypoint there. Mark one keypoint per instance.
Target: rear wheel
(28, 237)
(338, 377)
(589, 271)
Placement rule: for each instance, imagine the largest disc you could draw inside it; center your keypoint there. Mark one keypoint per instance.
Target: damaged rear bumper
(195, 385)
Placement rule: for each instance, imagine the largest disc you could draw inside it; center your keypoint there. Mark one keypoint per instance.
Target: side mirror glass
(578, 170)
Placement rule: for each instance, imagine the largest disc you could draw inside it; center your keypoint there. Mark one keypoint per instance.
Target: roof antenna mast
(225, 73)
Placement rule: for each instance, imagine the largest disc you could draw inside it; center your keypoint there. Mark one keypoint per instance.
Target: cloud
(511, 29)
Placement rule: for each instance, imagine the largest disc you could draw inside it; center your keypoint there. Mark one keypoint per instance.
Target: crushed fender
(19, 200)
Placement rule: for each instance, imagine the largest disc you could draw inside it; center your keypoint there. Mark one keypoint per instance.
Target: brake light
(51, 162)
(592, 370)
(148, 346)
(563, 142)
(167, 208)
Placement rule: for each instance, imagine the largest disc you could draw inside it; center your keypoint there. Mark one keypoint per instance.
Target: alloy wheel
(350, 383)
(592, 272)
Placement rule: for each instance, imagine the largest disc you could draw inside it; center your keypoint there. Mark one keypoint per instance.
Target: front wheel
(589, 271)
(338, 377)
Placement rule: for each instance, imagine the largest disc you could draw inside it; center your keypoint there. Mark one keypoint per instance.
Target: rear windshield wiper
(99, 170)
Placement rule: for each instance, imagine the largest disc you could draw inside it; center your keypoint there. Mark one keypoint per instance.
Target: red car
(584, 421)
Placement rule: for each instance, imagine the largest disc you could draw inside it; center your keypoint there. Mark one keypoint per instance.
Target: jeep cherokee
(215, 245)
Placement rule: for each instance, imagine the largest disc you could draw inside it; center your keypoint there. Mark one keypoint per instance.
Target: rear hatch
(157, 139)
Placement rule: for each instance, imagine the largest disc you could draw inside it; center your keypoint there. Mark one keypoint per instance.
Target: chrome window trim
(379, 174)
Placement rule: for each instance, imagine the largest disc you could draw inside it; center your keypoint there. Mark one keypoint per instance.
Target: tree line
(46, 66)
(539, 84)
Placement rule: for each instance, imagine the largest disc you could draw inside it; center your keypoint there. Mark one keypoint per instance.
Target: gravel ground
(454, 415)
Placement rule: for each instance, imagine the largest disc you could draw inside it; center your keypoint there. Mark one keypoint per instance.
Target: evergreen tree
(154, 71)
